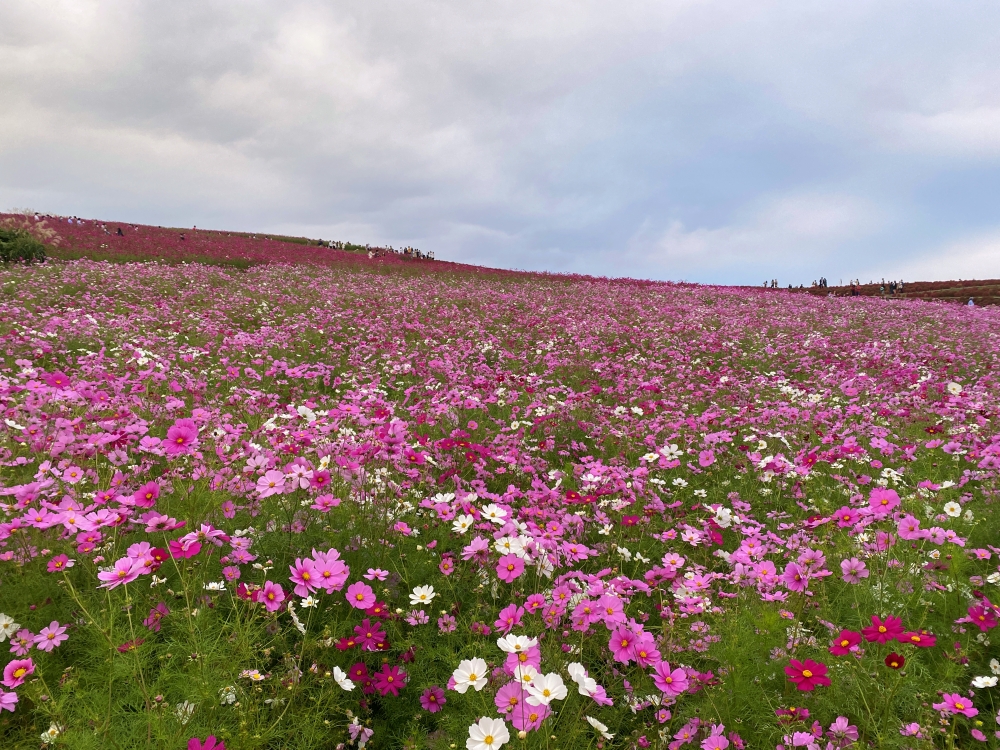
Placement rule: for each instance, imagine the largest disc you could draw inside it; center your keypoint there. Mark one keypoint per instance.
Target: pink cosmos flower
(669, 682)
(7, 701)
(509, 618)
(272, 483)
(272, 595)
(953, 704)
(847, 517)
(360, 595)
(529, 718)
(807, 675)
(58, 563)
(621, 644)
(16, 671)
(795, 578)
(124, 571)
(433, 699)
(510, 568)
(21, 642)
(853, 570)
(305, 577)
(882, 501)
(182, 437)
(50, 637)
(843, 731)
(883, 631)
(156, 614)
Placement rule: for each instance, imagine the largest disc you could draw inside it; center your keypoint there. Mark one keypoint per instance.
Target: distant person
(971, 302)
(120, 233)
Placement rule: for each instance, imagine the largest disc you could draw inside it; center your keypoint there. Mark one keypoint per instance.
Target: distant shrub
(19, 245)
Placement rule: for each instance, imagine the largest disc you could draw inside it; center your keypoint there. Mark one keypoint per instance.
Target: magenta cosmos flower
(510, 568)
(50, 637)
(845, 642)
(360, 595)
(389, 680)
(883, 631)
(807, 674)
(7, 701)
(15, 672)
(953, 703)
(210, 743)
(432, 699)
(181, 437)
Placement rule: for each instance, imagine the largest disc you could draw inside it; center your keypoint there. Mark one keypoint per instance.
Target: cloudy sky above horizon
(720, 142)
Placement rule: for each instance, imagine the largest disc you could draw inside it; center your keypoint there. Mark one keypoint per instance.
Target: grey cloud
(652, 138)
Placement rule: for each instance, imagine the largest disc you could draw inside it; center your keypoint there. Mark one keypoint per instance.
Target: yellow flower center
(807, 673)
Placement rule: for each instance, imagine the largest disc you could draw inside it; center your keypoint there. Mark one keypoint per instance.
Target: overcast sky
(723, 142)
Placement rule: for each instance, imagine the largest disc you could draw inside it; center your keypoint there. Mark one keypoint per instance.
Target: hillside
(983, 292)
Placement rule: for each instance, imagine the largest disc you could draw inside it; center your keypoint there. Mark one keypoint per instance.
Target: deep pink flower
(795, 578)
(807, 674)
(389, 680)
(305, 577)
(432, 699)
(844, 643)
(16, 671)
(883, 631)
(983, 617)
(210, 743)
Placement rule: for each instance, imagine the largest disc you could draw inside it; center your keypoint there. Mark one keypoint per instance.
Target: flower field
(317, 506)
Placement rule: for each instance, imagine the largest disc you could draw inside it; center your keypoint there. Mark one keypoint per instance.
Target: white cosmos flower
(487, 734)
(953, 509)
(422, 595)
(586, 685)
(514, 644)
(954, 388)
(7, 627)
(342, 679)
(601, 728)
(545, 689)
(525, 674)
(494, 513)
(984, 682)
(462, 524)
(470, 673)
(995, 666)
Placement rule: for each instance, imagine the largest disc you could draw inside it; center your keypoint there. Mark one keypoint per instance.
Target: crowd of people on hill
(406, 252)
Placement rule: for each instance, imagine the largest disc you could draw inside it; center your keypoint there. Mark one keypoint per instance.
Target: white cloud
(773, 240)
(976, 257)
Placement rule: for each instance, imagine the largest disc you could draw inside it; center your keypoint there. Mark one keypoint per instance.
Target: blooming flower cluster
(289, 507)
